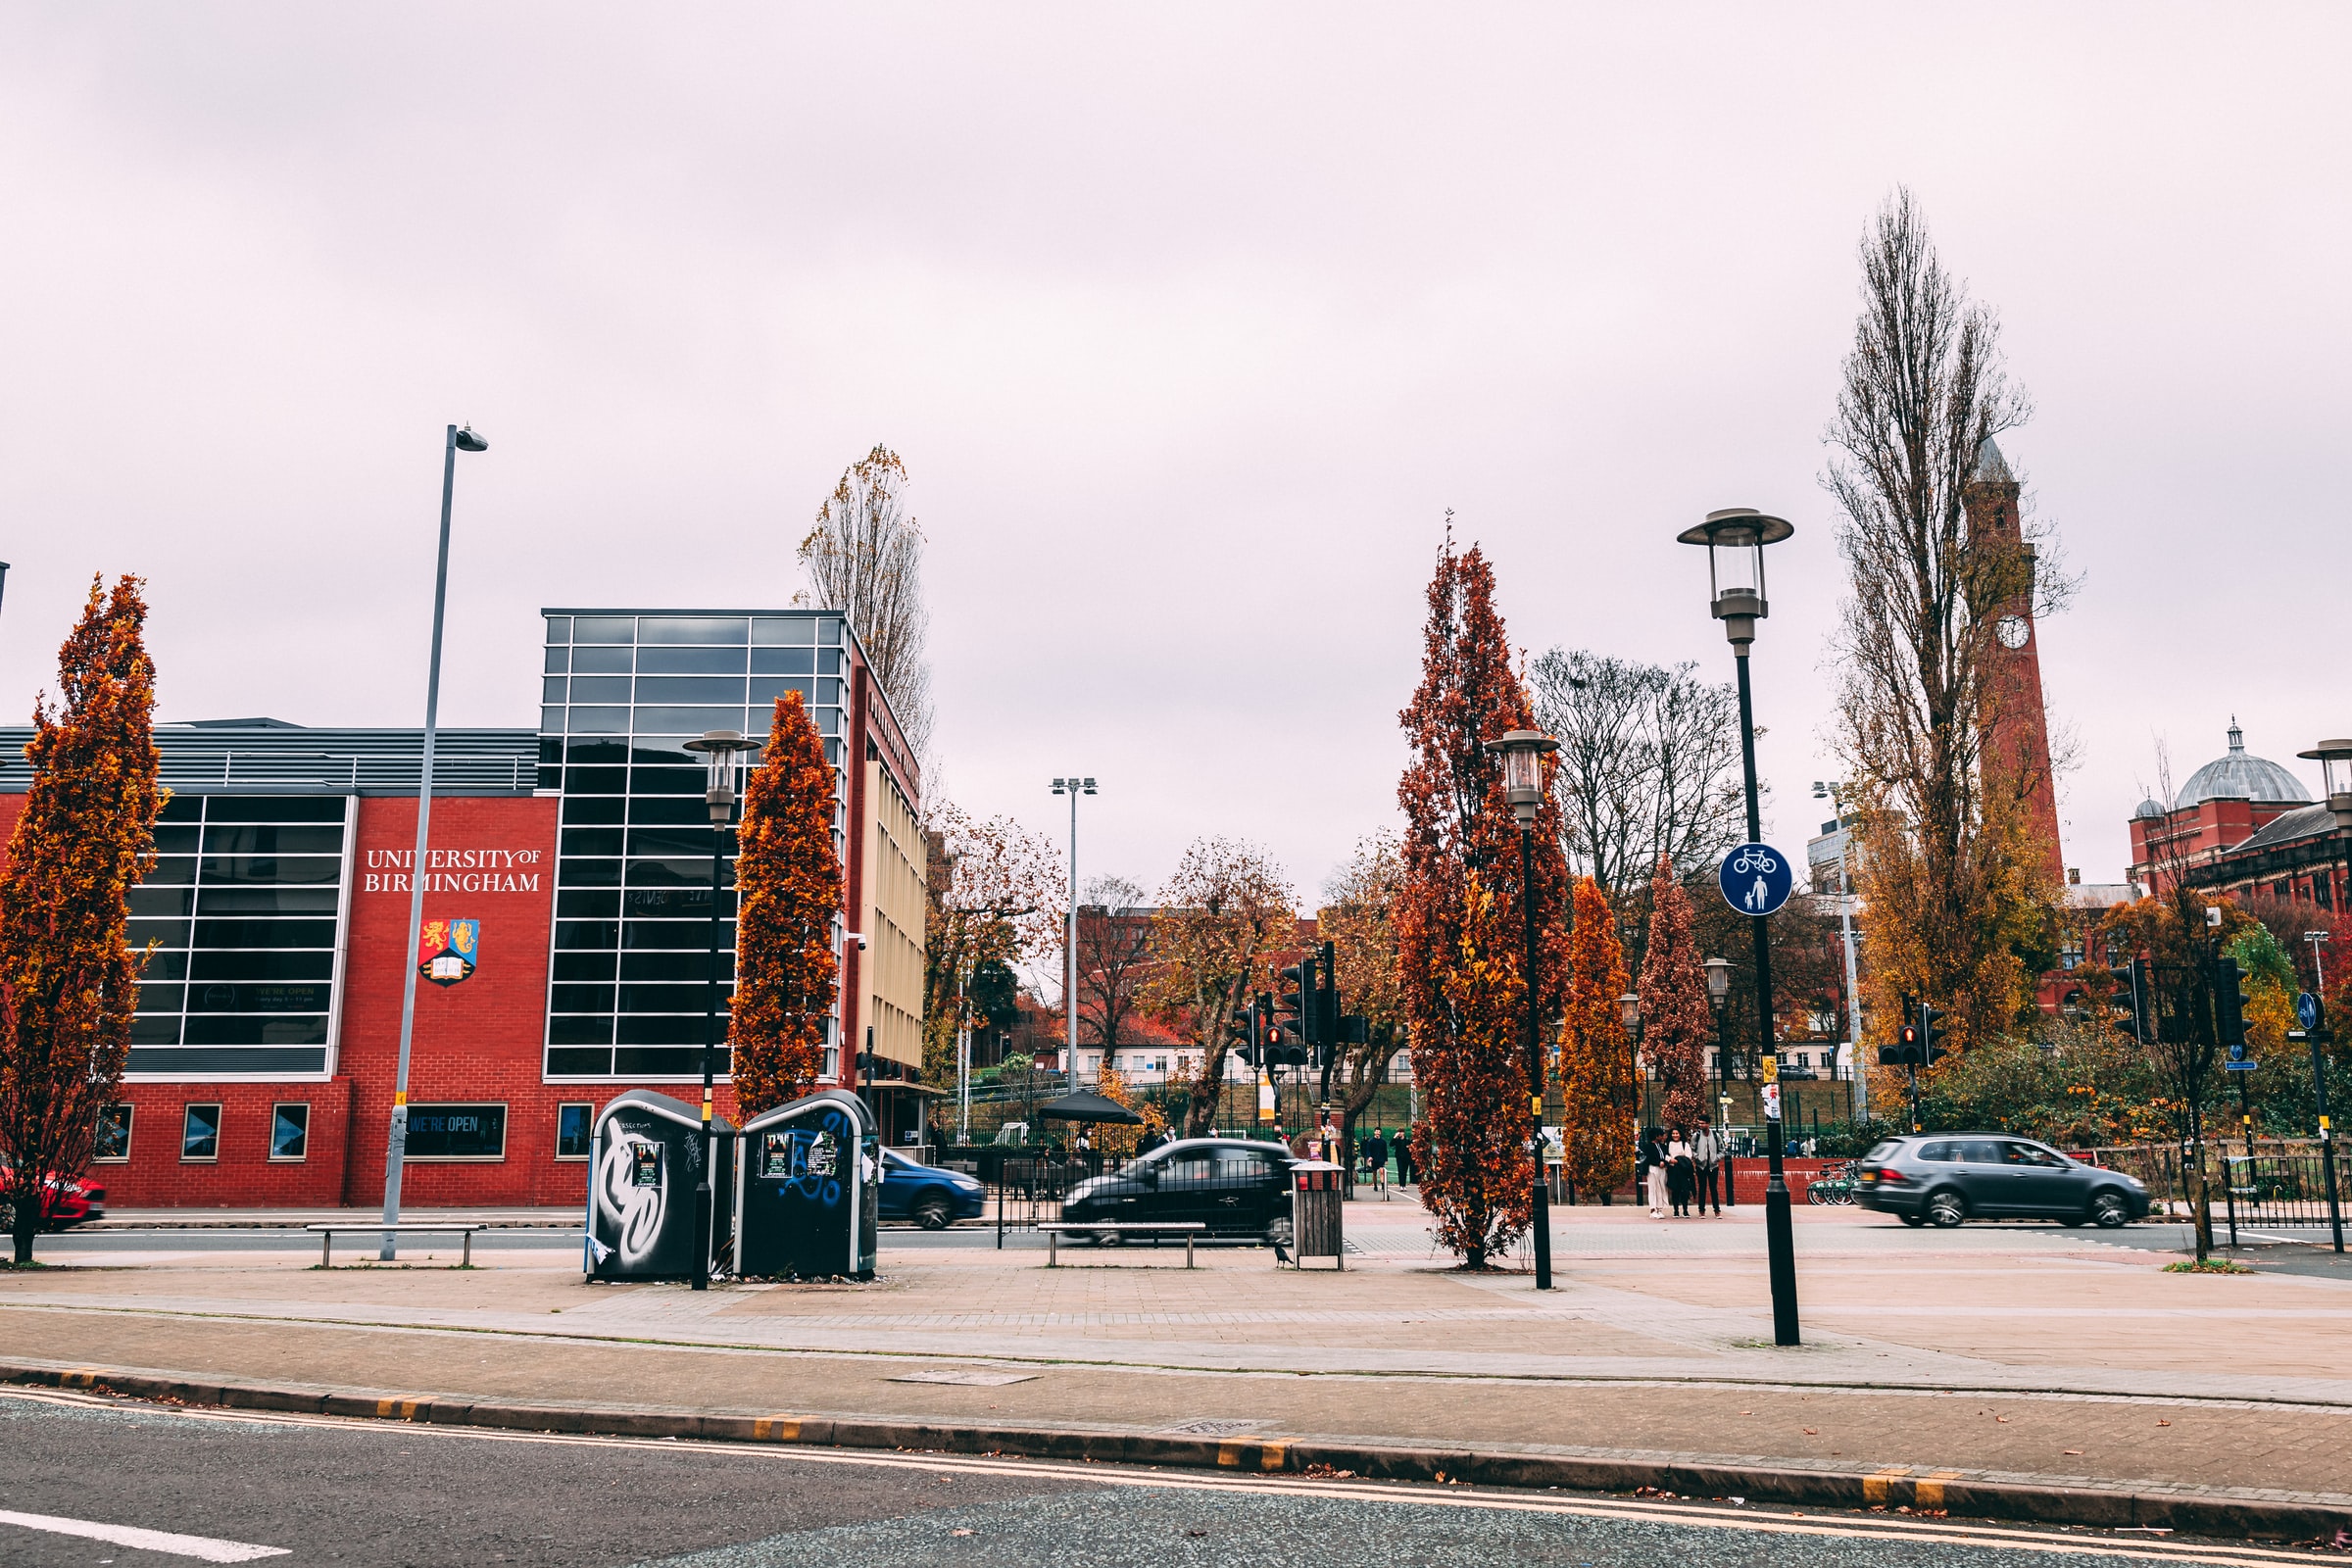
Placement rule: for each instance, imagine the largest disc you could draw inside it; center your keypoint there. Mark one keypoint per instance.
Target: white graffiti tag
(623, 1196)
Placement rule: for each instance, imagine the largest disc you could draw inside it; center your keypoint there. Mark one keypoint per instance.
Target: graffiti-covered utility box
(807, 1189)
(646, 1158)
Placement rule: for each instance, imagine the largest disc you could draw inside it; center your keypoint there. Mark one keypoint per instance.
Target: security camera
(858, 937)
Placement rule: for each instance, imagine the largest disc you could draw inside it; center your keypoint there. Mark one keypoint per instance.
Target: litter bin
(643, 1166)
(1317, 1187)
(808, 1188)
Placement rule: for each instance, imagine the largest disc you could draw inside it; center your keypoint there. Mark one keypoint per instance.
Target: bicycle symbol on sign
(1755, 860)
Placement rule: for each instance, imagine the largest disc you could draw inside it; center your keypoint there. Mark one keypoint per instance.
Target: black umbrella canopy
(1086, 1106)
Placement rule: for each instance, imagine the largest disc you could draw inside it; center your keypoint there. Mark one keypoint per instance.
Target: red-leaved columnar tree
(1459, 936)
(84, 840)
(1676, 1021)
(1596, 1065)
(787, 893)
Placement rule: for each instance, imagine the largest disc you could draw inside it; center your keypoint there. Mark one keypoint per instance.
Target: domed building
(2240, 824)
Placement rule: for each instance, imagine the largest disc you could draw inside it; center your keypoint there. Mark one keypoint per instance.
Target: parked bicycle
(1834, 1184)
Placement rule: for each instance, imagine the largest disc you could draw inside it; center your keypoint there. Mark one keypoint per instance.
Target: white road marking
(204, 1548)
(1694, 1514)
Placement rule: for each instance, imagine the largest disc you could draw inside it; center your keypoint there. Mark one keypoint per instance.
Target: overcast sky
(1189, 323)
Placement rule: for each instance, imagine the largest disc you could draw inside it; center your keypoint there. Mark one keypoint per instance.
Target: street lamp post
(1628, 1010)
(1073, 787)
(1522, 752)
(396, 1135)
(1735, 539)
(719, 749)
(1719, 996)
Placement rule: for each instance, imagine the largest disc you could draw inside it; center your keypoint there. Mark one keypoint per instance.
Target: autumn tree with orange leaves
(1595, 1066)
(1459, 936)
(69, 985)
(1676, 1020)
(787, 891)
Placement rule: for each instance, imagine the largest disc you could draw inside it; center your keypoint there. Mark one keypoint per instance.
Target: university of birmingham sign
(455, 872)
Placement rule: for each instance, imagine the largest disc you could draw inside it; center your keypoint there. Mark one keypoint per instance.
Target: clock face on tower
(2013, 631)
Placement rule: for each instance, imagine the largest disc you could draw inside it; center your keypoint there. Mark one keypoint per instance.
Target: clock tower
(2017, 741)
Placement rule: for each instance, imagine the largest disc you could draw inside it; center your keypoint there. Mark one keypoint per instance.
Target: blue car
(932, 1198)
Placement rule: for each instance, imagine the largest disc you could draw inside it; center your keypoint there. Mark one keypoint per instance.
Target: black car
(1233, 1185)
(1945, 1178)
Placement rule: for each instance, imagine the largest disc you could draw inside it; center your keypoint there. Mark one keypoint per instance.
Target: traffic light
(1244, 1034)
(2230, 1001)
(1932, 1025)
(1905, 1051)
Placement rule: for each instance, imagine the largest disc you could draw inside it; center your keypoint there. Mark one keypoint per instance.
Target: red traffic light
(1910, 1034)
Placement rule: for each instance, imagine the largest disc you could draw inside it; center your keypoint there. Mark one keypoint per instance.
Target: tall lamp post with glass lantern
(719, 749)
(1735, 539)
(1522, 752)
(1719, 996)
(1628, 1012)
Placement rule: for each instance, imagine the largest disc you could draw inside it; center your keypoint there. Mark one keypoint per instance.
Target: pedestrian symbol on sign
(1755, 880)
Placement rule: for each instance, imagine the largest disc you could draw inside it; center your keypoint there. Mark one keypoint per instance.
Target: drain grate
(1213, 1428)
(964, 1376)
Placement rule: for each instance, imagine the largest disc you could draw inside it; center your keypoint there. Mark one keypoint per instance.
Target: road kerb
(2209, 1511)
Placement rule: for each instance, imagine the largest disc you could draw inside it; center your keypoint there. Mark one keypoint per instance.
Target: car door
(1981, 1167)
(1184, 1192)
(895, 1189)
(2041, 1182)
(1245, 1191)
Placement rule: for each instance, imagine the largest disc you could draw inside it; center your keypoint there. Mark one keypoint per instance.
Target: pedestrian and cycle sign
(2239, 1060)
(1755, 880)
(2307, 1010)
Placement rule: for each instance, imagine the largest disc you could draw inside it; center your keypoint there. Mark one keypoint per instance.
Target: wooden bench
(1191, 1229)
(327, 1236)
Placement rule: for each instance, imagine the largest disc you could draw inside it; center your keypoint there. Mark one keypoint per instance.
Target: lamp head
(1523, 751)
(467, 441)
(1629, 1008)
(1734, 538)
(2335, 767)
(719, 748)
(1719, 979)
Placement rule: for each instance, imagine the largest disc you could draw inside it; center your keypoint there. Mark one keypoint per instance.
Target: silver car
(1945, 1178)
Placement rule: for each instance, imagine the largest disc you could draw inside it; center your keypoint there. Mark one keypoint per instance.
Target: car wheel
(2109, 1212)
(1945, 1209)
(1111, 1238)
(932, 1214)
(1278, 1230)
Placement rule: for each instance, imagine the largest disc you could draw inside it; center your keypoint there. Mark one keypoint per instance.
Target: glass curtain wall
(624, 692)
(246, 904)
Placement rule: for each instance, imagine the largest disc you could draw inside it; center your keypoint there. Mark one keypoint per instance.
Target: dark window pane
(667, 780)
(828, 661)
(551, 751)
(783, 660)
(590, 873)
(173, 868)
(590, 934)
(254, 1029)
(766, 692)
(674, 936)
(163, 902)
(155, 1031)
(551, 690)
(692, 629)
(164, 966)
(599, 689)
(670, 810)
(558, 628)
(683, 965)
(274, 808)
(595, 754)
(183, 808)
(179, 840)
(680, 689)
(628, 1064)
(162, 997)
(679, 902)
(289, 1131)
(267, 901)
(589, 967)
(784, 629)
(596, 781)
(599, 721)
(252, 839)
(221, 995)
(690, 661)
(657, 1029)
(664, 999)
(602, 661)
(559, 661)
(587, 904)
(264, 966)
(605, 629)
(587, 810)
(273, 870)
(551, 722)
(170, 933)
(664, 843)
(200, 1132)
(551, 778)
(580, 999)
(590, 841)
(676, 873)
(829, 633)
(595, 1030)
(575, 1130)
(265, 933)
(689, 720)
(580, 1063)
(114, 1133)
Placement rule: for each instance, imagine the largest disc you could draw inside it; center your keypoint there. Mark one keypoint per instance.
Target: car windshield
(1883, 1150)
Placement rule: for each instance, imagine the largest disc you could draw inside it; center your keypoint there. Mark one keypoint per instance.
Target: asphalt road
(232, 1486)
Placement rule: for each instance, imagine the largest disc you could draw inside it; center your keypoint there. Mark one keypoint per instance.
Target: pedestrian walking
(1654, 1153)
(1681, 1174)
(1375, 1158)
(1707, 1153)
(1402, 1144)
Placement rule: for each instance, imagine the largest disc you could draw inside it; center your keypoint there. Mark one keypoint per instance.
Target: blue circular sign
(2307, 1010)
(1755, 880)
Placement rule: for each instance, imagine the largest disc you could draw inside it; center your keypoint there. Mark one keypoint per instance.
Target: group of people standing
(1374, 1151)
(1683, 1167)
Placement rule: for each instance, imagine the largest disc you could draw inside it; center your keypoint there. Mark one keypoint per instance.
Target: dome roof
(2241, 776)
(2150, 807)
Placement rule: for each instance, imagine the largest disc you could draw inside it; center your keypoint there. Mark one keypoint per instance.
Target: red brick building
(264, 1053)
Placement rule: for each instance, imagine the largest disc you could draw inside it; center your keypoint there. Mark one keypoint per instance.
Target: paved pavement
(2022, 1351)
(102, 1481)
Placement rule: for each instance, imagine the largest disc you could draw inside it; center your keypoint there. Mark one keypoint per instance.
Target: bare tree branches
(1114, 958)
(865, 558)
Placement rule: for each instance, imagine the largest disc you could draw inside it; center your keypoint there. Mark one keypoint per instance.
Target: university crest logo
(446, 950)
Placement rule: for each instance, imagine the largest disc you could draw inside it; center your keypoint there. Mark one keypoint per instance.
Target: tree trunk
(26, 1225)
